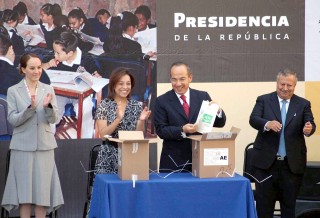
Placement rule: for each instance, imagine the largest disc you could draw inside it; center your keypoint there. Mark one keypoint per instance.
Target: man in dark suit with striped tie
(282, 119)
(174, 115)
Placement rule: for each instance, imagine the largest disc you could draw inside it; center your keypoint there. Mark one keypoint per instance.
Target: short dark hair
(144, 10)
(115, 77)
(180, 63)
(102, 12)
(24, 60)
(68, 41)
(60, 21)
(20, 8)
(52, 9)
(5, 44)
(78, 14)
(128, 19)
(9, 14)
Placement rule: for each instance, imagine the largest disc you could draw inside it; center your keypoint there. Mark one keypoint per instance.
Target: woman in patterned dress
(117, 112)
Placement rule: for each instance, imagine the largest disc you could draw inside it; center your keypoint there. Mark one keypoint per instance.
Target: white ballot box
(213, 154)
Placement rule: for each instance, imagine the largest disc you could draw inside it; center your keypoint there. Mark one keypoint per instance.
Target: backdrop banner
(228, 41)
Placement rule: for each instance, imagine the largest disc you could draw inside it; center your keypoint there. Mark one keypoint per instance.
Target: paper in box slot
(213, 154)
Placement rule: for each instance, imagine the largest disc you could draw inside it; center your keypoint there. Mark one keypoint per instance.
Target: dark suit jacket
(18, 46)
(50, 36)
(9, 76)
(266, 145)
(169, 117)
(131, 50)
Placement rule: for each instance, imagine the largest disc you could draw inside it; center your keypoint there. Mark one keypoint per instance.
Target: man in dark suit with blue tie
(282, 119)
(174, 115)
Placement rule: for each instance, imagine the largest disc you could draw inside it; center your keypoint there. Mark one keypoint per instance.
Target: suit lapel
(194, 104)
(40, 93)
(175, 102)
(23, 92)
(275, 106)
(292, 109)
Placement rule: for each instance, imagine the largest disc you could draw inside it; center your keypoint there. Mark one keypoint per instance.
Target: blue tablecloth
(179, 195)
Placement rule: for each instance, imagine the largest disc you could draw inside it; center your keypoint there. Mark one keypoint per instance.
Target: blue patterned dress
(107, 160)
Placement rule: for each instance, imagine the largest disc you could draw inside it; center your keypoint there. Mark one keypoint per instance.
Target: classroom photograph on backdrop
(80, 44)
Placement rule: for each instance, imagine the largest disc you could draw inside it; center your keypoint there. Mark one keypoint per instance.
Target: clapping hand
(145, 114)
(33, 102)
(120, 110)
(47, 100)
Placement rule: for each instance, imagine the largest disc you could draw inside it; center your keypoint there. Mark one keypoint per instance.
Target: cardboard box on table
(133, 155)
(213, 154)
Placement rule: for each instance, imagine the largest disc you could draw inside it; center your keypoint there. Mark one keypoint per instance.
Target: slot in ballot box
(133, 155)
(213, 154)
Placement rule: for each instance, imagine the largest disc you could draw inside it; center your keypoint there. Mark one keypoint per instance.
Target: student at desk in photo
(22, 10)
(48, 13)
(79, 24)
(68, 57)
(10, 22)
(143, 14)
(121, 42)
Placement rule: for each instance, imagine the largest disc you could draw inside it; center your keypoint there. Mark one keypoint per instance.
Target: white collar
(145, 28)
(187, 94)
(108, 22)
(6, 60)
(280, 100)
(125, 35)
(81, 27)
(77, 60)
(46, 25)
(26, 20)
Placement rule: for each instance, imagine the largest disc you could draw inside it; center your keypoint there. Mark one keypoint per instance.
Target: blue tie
(282, 145)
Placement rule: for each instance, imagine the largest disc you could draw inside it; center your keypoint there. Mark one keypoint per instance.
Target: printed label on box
(215, 156)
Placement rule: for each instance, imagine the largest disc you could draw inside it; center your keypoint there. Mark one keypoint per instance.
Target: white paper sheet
(206, 117)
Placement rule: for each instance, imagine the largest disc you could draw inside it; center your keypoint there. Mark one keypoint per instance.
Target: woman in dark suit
(33, 178)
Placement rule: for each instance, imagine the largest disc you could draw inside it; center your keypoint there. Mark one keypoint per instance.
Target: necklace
(29, 90)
